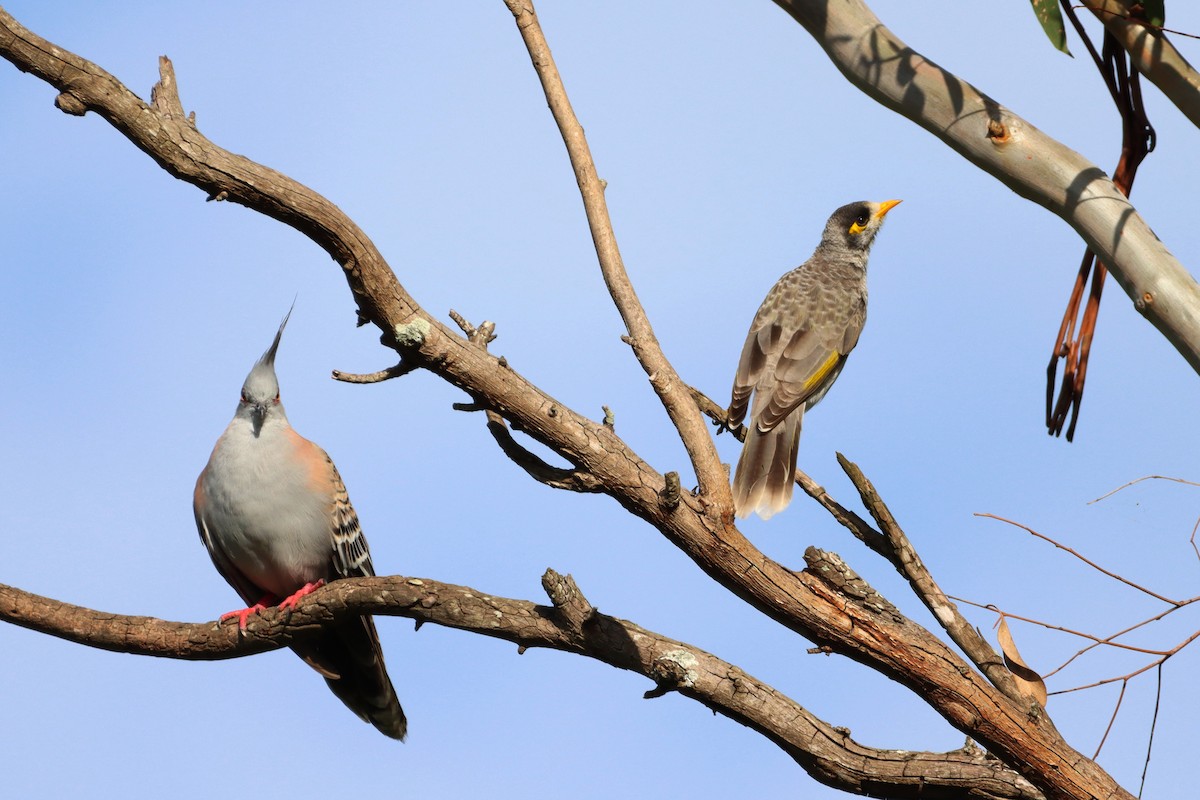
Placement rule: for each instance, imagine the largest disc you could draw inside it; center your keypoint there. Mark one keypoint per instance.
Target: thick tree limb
(1013, 151)
(571, 625)
(802, 601)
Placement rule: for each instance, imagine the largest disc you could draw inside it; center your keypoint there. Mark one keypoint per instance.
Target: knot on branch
(672, 671)
(568, 600)
(164, 95)
(669, 495)
(70, 104)
(480, 336)
(835, 573)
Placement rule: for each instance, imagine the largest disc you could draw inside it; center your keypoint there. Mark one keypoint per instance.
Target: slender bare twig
(848, 519)
(1139, 480)
(1085, 560)
(1112, 719)
(1192, 539)
(1128, 17)
(1110, 641)
(1097, 641)
(1158, 662)
(574, 480)
(482, 334)
(673, 392)
(1153, 728)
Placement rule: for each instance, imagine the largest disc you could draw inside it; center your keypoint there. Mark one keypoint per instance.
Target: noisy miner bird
(797, 345)
(275, 517)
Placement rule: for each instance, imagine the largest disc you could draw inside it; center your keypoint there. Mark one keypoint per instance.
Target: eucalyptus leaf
(1049, 16)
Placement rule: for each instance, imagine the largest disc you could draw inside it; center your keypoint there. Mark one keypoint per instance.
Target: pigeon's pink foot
(242, 614)
(290, 601)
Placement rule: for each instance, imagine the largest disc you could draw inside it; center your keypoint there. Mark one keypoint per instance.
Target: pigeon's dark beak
(258, 413)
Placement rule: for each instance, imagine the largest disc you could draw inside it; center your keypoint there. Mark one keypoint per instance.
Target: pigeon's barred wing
(352, 557)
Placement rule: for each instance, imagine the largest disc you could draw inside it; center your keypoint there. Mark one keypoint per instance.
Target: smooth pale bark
(1032, 164)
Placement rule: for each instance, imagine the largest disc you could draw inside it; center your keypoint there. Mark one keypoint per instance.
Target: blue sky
(131, 311)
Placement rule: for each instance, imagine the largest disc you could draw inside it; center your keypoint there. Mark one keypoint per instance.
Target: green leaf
(1050, 17)
(1156, 12)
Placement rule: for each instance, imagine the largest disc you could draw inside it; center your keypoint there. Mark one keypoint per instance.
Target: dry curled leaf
(1028, 681)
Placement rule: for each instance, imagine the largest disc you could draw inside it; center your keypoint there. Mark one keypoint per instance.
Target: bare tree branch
(574, 480)
(1013, 151)
(571, 625)
(840, 615)
(714, 482)
(397, 371)
(904, 558)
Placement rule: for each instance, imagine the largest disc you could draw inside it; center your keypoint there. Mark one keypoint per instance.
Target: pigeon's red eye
(277, 398)
(244, 398)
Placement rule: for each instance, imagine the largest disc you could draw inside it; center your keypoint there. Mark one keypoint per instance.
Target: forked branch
(844, 617)
(672, 391)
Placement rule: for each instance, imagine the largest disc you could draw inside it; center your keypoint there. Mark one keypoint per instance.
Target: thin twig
(1085, 560)
(1096, 640)
(1140, 22)
(1111, 720)
(1109, 641)
(1139, 480)
(483, 334)
(1157, 662)
(851, 521)
(1192, 538)
(1153, 727)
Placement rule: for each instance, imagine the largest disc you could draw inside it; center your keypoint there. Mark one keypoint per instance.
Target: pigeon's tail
(351, 660)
